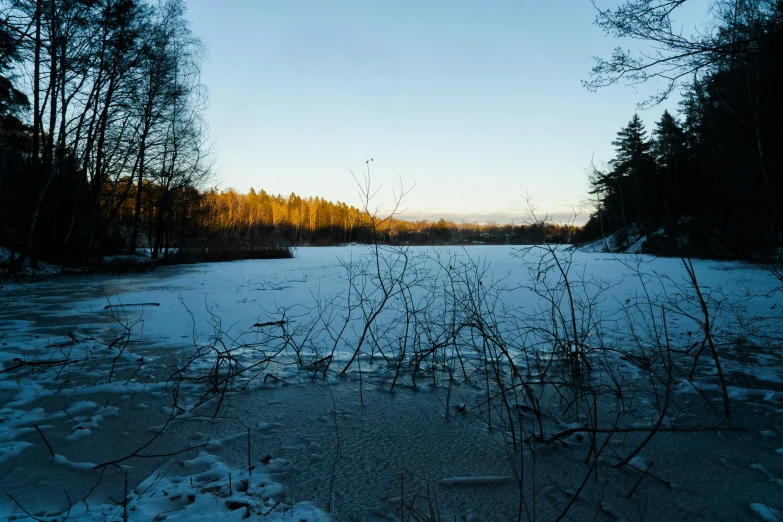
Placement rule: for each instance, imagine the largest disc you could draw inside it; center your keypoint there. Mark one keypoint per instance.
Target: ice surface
(97, 380)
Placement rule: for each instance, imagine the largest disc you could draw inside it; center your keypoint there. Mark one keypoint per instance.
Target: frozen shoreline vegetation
(347, 383)
(141, 261)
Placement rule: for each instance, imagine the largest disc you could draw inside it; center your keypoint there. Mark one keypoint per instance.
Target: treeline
(713, 174)
(100, 124)
(258, 218)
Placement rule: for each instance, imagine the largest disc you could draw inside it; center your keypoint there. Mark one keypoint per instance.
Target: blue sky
(476, 102)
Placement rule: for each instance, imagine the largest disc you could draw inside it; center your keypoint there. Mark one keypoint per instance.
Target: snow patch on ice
(206, 489)
(60, 459)
(766, 513)
(11, 449)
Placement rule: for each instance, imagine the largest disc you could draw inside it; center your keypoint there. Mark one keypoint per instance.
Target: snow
(59, 459)
(97, 382)
(634, 244)
(595, 247)
(44, 269)
(205, 489)
(766, 513)
(12, 449)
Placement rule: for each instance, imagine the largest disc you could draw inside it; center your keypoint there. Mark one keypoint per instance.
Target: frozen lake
(244, 293)
(438, 347)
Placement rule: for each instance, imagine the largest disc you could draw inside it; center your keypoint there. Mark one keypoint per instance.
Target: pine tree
(12, 100)
(633, 168)
(669, 151)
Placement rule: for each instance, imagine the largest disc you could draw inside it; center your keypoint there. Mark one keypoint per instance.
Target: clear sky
(476, 102)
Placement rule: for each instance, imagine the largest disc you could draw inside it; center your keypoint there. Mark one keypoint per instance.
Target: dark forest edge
(711, 179)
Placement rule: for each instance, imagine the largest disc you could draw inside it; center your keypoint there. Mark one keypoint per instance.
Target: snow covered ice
(117, 377)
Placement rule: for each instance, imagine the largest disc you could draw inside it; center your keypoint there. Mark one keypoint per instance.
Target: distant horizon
(576, 217)
(507, 218)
